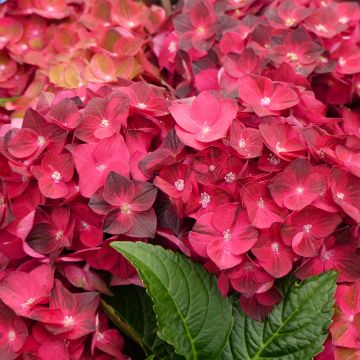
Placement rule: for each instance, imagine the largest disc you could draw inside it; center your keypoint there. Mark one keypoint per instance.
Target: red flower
(52, 232)
(202, 120)
(261, 208)
(13, 333)
(22, 291)
(345, 329)
(223, 236)
(93, 162)
(72, 315)
(249, 278)
(324, 22)
(54, 175)
(175, 181)
(102, 118)
(127, 206)
(345, 190)
(305, 231)
(265, 97)
(273, 255)
(297, 186)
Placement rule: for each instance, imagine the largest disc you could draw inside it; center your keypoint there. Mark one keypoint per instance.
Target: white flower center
(85, 225)
(105, 123)
(212, 168)
(56, 176)
(328, 255)
(200, 30)
(307, 228)
(344, 20)
(101, 167)
(273, 160)
(125, 209)
(100, 336)
(179, 185)
(279, 148)
(275, 247)
(59, 235)
(292, 56)
(265, 101)
(28, 302)
(130, 24)
(340, 195)
(172, 47)
(242, 144)
(321, 28)
(68, 321)
(299, 190)
(341, 61)
(227, 235)
(289, 21)
(11, 335)
(41, 140)
(204, 199)
(141, 106)
(260, 203)
(230, 177)
(249, 266)
(323, 59)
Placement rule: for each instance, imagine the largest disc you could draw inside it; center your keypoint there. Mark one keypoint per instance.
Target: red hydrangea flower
(346, 328)
(93, 162)
(261, 208)
(22, 291)
(305, 231)
(223, 236)
(13, 333)
(297, 186)
(54, 175)
(102, 118)
(202, 120)
(345, 190)
(273, 255)
(127, 205)
(265, 97)
(72, 315)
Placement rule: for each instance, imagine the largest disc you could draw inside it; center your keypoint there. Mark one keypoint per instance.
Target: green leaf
(295, 329)
(191, 314)
(131, 310)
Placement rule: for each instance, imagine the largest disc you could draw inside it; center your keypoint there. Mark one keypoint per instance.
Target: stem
(166, 4)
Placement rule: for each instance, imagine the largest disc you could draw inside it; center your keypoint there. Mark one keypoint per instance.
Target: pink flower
(93, 162)
(265, 97)
(202, 120)
(345, 329)
(127, 206)
(297, 186)
(345, 190)
(13, 333)
(22, 291)
(273, 255)
(223, 235)
(102, 118)
(54, 175)
(249, 278)
(305, 230)
(71, 315)
(52, 232)
(261, 208)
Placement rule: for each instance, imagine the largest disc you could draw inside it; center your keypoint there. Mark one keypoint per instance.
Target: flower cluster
(238, 144)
